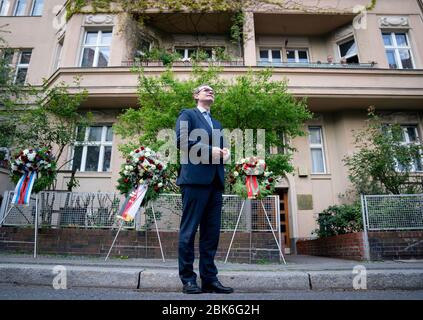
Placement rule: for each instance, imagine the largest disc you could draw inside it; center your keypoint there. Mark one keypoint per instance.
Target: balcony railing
(156, 63)
(240, 63)
(316, 65)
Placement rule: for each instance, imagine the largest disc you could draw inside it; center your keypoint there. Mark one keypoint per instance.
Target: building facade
(342, 61)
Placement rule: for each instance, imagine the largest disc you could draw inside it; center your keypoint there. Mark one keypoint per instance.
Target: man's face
(206, 94)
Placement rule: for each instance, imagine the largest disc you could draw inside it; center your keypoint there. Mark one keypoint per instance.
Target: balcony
(316, 65)
(186, 63)
(327, 87)
(240, 63)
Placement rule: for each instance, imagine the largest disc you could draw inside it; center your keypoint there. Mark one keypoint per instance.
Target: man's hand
(226, 154)
(217, 153)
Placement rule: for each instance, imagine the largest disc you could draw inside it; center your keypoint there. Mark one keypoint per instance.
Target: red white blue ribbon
(24, 188)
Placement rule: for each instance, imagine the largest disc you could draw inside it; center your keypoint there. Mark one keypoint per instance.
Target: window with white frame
(296, 56)
(398, 50)
(410, 136)
(270, 55)
(348, 51)
(20, 8)
(96, 48)
(22, 67)
(188, 53)
(93, 149)
(4, 7)
(58, 57)
(37, 8)
(318, 163)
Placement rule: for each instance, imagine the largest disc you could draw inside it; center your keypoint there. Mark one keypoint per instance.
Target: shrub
(339, 219)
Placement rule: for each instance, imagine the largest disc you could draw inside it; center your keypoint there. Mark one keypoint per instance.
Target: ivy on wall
(137, 8)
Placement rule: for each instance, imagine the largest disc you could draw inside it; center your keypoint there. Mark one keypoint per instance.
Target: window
(398, 50)
(20, 8)
(4, 7)
(188, 53)
(4, 158)
(58, 57)
(96, 49)
(22, 67)
(142, 49)
(272, 56)
(317, 150)
(348, 51)
(297, 56)
(93, 149)
(37, 7)
(410, 136)
(8, 55)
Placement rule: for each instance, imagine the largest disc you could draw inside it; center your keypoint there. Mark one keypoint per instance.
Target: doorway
(284, 218)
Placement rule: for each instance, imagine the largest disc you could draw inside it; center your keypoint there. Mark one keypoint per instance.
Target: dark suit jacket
(204, 172)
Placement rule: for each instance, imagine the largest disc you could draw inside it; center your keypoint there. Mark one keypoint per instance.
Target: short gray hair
(198, 89)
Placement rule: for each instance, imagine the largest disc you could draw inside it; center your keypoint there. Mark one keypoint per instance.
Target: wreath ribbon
(253, 189)
(133, 203)
(23, 189)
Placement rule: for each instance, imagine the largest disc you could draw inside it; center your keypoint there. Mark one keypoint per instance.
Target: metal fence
(66, 209)
(99, 210)
(393, 212)
(168, 210)
(21, 216)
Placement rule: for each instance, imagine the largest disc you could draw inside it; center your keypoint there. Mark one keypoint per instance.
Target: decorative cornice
(393, 22)
(99, 19)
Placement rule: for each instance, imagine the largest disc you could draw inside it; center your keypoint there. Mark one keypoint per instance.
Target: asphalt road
(14, 292)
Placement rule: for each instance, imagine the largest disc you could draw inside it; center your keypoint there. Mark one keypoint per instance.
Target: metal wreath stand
(270, 225)
(17, 206)
(157, 231)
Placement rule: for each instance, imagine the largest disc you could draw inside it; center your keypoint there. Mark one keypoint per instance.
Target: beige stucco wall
(388, 89)
(331, 188)
(37, 33)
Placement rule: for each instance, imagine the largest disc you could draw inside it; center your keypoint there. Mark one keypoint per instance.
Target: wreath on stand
(250, 179)
(143, 168)
(143, 177)
(39, 161)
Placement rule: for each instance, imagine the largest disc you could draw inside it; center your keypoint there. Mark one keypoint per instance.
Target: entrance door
(284, 218)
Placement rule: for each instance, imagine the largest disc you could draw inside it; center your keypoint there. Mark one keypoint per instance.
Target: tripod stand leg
(236, 227)
(36, 227)
(271, 228)
(114, 240)
(5, 216)
(158, 234)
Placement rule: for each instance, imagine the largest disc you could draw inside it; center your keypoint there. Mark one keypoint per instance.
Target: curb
(76, 276)
(242, 281)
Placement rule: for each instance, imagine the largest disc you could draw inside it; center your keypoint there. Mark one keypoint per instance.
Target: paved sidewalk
(300, 273)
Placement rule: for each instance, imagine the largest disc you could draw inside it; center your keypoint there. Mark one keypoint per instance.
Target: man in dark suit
(201, 179)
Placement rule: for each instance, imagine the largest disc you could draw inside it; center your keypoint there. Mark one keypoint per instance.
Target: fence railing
(393, 212)
(168, 209)
(187, 63)
(62, 209)
(66, 209)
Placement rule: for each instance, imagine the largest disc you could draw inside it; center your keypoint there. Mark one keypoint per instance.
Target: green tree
(11, 95)
(252, 101)
(383, 163)
(38, 117)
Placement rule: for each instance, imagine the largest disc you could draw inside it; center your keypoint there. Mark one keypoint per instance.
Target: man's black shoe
(216, 287)
(191, 288)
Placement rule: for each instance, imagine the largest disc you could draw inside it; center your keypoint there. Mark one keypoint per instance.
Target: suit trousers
(202, 206)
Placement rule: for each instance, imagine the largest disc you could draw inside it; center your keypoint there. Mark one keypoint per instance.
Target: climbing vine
(136, 9)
